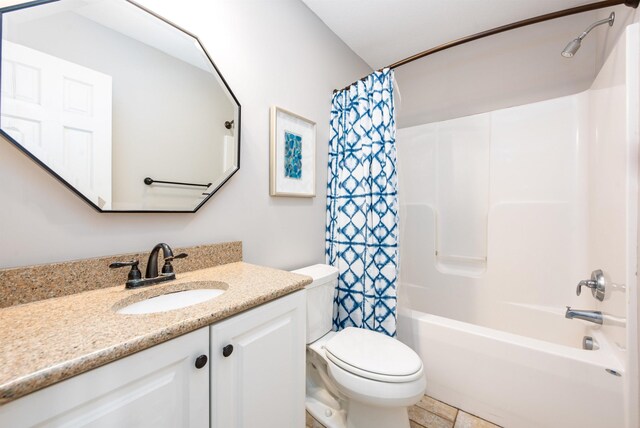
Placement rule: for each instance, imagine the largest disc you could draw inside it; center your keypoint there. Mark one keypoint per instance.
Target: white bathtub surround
(550, 194)
(613, 208)
(362, 204)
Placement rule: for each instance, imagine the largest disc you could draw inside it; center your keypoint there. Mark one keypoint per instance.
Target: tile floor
(430, 413)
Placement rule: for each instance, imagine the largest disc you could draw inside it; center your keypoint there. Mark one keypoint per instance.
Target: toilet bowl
(356, 378)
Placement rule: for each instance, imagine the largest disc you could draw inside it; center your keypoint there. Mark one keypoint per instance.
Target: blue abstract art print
(292, 155)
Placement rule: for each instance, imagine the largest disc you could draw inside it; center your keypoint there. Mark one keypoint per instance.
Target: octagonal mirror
(123, 107)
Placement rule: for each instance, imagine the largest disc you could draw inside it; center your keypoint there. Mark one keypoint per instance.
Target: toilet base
(361, 415)
(326, 415)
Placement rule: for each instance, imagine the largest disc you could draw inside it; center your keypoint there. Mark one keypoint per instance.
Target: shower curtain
(362, 205)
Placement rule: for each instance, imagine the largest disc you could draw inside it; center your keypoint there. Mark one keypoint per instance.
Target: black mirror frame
(72, 188)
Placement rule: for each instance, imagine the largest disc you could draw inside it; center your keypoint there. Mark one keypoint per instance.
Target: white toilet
(356, 378)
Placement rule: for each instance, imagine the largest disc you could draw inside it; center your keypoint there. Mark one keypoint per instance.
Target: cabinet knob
(201, 361)
(227, 350)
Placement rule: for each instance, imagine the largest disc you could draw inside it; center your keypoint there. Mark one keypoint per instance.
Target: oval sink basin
(170, 301)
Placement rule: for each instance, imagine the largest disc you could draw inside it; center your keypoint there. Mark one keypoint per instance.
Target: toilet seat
(373, 356)
(375, 392)
(364, 386)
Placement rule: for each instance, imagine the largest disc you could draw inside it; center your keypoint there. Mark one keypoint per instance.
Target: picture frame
(292, 166)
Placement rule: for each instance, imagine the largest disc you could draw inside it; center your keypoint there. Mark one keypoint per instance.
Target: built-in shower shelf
(461, 265)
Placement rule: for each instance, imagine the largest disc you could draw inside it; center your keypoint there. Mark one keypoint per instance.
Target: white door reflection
(43, 95)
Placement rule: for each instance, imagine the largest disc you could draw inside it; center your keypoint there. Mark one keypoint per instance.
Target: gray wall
(273, 52)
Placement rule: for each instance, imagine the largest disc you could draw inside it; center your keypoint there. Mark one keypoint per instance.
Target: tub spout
(591, 316)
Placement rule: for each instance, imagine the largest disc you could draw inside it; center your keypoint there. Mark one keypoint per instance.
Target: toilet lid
(373, 355)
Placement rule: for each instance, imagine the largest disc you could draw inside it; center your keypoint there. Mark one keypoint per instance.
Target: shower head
(572, 48)
(575, 44)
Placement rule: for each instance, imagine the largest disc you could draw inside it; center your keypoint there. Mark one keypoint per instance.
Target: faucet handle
(585, 283)
(132, 263)
(178, 256)
(596, 284)
(167, 268)
(134, 273)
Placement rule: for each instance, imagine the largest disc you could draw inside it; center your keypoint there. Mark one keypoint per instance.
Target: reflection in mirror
(104, 94)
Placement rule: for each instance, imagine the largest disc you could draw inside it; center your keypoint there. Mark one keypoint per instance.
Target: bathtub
(514, 380)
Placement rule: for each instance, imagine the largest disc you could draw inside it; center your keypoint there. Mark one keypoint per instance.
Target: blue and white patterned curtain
(362, 205)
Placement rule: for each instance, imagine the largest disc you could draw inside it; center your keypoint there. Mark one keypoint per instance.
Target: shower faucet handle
(596, 284)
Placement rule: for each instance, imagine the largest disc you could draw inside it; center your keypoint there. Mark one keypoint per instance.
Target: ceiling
(513, 68)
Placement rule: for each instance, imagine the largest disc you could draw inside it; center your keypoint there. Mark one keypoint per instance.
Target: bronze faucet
(135, 280)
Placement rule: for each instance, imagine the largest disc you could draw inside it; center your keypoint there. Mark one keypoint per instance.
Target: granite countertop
(51, 340)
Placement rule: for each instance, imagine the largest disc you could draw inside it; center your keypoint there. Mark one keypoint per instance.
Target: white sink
(170, 301)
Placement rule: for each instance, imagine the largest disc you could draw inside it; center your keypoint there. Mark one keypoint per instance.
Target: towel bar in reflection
(149, 181)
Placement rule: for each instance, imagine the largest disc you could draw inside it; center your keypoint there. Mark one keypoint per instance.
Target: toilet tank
(319, 299)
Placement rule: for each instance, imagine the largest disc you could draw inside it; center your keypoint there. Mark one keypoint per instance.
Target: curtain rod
(507, 27)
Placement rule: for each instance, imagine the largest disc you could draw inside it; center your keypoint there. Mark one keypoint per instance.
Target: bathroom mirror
(123, 107)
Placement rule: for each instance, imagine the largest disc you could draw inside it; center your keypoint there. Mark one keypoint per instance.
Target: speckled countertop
(47, 341)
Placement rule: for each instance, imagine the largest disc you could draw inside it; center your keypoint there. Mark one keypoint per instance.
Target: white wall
(634, 296)
(271, 53)
(613, 187)
(609, 192)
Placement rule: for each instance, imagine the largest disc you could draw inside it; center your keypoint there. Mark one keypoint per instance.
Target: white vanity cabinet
(260, 382)
(157, 387)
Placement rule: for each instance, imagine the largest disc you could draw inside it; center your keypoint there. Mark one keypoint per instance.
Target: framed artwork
(293, 155)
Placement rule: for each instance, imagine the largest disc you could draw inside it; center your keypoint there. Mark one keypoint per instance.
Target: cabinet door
(157, 387)
(261, 383)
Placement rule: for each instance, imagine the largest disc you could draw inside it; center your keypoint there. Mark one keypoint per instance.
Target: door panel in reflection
(71, 105)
